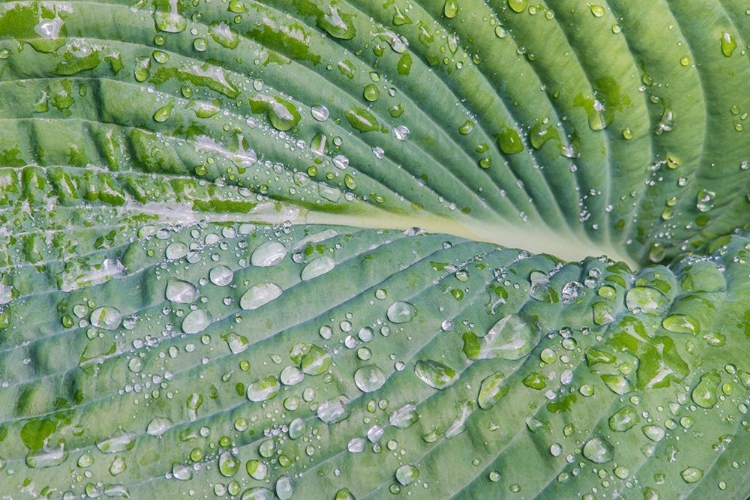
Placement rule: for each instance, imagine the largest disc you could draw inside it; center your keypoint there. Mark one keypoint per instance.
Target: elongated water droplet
(259, 295)
(268, 254)
(119, 443)
(228, 464)
(728, 44)
(258, 470)
(647, 300)
(404, 417)
(510, 338)
(653, 432)
(492, 390)
(435, 374)
(158, 426)
(450, 9)
(334, 410)
(284, 488)
(263, 389)
(317, 267)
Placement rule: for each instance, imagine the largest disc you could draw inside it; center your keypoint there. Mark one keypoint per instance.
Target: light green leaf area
(263, 249)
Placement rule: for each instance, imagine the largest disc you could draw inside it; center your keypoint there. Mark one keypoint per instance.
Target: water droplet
(319, 112)
(161, 115)
(401, 312)
(407, 474)
(573, 293)
(371, 93)
(705, 200)
(510, 338)
(369, 378)
(258, 493)
(617, 384)
(291, 375)
(317, 267)
(647, 300)
(705, 393)
(517, 5)
(158, 426)
(263, 389)
(624, 419)
(176, 250)
(435, 374)
(681, 323)
(404, 417)
(181, 292)
(334, 410)
(344, 494)
(356, 445)
(259, 295)
(653, 432)
(47, 457)
(268, 254)
(196, 321)
(692, 474)
(316, 361)
(728, 44)
(228, 464)
(221, 275)
(492, 389)
(119, 443)
(106, 318)
(450, 9)
(597, 10)
(258, 470)
(598, 450)
(284, 488)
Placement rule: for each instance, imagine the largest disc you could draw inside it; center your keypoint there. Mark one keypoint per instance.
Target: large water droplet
(705, 393)
(221, 275)
(268, 254)
(401, 312)
(291, 375)
(284, 487)
(369, 378)
(624, 419)
(404, 417)
(106, 318)
(176, 250)
(228, 464)
(407, 474)
(196, 321)
(617, 384)
(653, 432)
(692, 475)
(259, 295)
(316, 361)
(510, 338)
(647, 300)
(263, 389)
(435, 374)
(492, 390)
(334, 410)
(598, 450)
(181, 292)
(317, 267)
(158, 426)
(258, 470)
(123, 441)
(47, 457)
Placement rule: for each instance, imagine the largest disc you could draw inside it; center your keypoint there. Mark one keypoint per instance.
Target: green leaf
(265, 250)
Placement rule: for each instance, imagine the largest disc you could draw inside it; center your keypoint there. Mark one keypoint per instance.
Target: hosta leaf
(213, 281)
